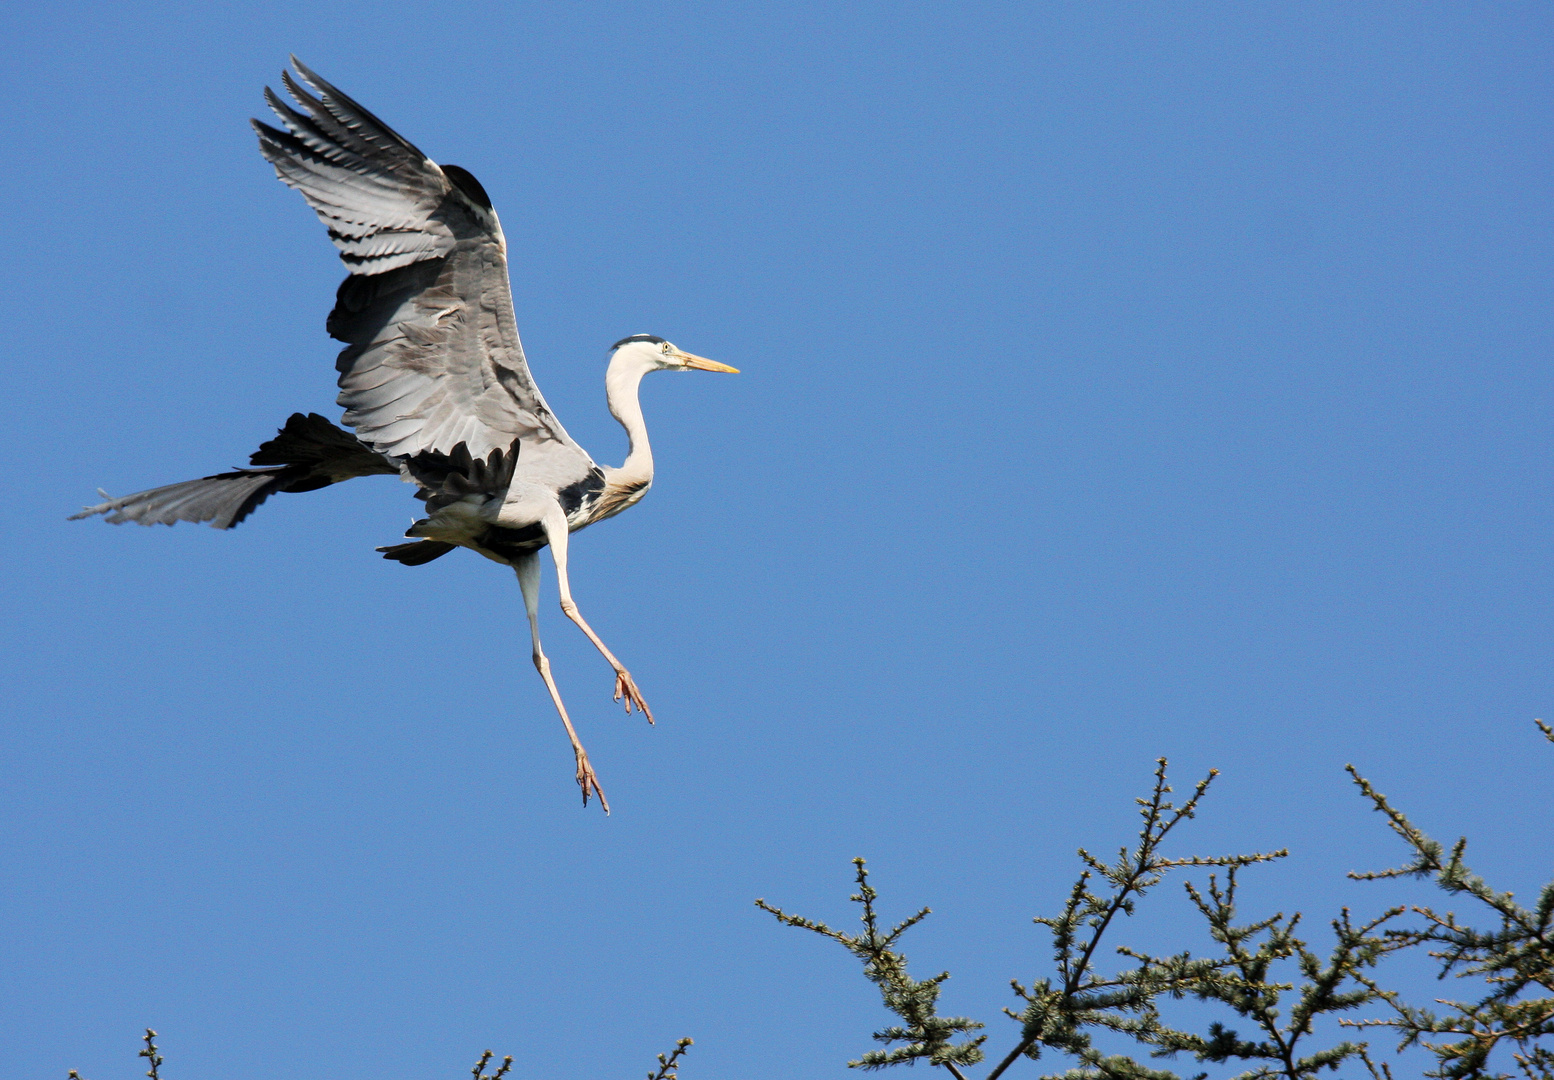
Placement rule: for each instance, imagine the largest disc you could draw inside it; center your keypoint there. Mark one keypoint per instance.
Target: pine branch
(479, 1071)
(668, 1065)
(1061, 1013)
(1516, 961)
(151, 1055)
(926, 1035)
(1055, 1016)
(1332, 986)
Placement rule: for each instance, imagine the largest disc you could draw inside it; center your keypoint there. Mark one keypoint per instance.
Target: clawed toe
(626, 688)
(589, 782)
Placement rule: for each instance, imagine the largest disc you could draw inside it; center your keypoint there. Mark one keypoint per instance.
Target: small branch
(1383, 1071)
(1512, 959)
(668, 1065)
(927, 1035)
(479, 1071)
(151, 1055)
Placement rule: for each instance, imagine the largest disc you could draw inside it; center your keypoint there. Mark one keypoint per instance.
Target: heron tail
(417, 554)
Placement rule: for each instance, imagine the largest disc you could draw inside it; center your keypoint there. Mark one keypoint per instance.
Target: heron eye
(665, 348)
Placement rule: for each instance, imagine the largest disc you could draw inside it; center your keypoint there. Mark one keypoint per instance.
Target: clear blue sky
(1120, 380)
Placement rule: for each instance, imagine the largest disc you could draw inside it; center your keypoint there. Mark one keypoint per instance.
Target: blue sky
(1119, 380)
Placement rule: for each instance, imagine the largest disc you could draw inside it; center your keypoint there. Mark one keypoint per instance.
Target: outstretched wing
(432, 358)
(305, 455)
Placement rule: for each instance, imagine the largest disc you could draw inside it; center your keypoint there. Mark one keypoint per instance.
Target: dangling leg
(555, 525)
(527, 504)
(528, 567)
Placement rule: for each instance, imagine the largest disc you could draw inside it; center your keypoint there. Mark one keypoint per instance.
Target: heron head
(656, 354)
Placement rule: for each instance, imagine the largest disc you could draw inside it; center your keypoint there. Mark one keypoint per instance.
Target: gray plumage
(433, 378)
(305, 455)
(432, 357)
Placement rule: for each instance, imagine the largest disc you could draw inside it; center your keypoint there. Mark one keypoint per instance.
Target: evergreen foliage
(152, 1055)
(926, 1034)
(668, 1064)
(1264, 974)
(1516, 960)
(479, 1071)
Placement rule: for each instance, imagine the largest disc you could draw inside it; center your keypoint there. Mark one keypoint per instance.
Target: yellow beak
(701, 363)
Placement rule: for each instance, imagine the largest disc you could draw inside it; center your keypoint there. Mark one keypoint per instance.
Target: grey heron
(433, 378)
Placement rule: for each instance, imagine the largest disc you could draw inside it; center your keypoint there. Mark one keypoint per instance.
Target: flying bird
(432, 377)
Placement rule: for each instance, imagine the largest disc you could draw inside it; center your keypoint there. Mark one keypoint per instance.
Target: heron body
(433, 378)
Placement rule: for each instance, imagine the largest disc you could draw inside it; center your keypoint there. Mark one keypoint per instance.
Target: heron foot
(589, 781)
(626, 687)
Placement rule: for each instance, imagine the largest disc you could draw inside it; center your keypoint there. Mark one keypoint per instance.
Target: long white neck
(621, 383)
